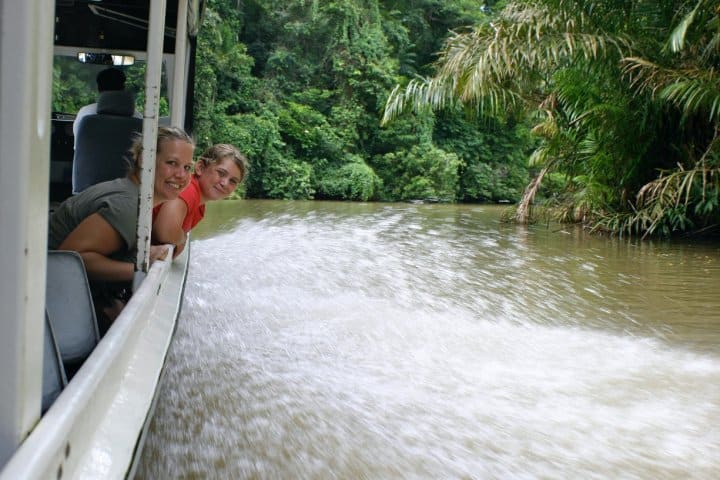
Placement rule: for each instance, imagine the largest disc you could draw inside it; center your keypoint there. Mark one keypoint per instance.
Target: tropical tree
(607, 117)
(686, 78)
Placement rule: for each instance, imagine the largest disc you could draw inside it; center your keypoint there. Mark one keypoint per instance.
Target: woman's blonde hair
(164, 133)
(218, 152)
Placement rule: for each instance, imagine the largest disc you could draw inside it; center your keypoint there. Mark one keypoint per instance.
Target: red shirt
(195, 209)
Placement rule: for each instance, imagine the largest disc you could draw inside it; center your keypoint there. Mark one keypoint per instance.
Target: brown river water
(324, 340)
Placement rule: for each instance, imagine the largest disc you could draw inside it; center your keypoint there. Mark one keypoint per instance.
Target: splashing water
(388, 344)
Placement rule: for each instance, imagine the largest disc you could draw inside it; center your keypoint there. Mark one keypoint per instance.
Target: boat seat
(103, 140)
(54, 379)
(70, 307)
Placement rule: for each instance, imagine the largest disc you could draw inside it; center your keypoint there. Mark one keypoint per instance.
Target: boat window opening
(74, 86)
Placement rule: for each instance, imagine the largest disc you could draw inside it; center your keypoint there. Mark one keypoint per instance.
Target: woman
(218, 172)
(100, 223)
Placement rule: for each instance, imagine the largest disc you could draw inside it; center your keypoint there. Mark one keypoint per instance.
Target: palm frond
(677, 37)
(493, 66)
(694, 95)
(692, 90)
(659, 201)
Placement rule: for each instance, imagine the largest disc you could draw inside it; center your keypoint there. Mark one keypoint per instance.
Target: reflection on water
(330, 340)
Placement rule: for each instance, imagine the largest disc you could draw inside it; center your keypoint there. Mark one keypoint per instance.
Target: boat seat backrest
(54, 379)
(70, 307)
(103, 141)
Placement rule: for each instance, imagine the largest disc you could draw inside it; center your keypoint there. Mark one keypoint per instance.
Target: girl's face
(217, 180)
(172, 169)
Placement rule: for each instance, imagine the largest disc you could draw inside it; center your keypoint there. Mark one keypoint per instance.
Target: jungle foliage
(624, 97)
(299, 86)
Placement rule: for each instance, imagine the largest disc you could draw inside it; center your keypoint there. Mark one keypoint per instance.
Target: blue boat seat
(70, 307)
(54, 379)
(104, 139)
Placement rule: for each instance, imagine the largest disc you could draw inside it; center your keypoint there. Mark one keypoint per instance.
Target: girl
(218, 171)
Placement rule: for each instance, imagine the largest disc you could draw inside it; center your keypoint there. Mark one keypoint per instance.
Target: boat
(88, 422)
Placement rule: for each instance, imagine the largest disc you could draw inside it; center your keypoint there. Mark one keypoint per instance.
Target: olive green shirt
(116, 201)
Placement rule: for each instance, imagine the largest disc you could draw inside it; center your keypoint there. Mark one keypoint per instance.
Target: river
(324, 340)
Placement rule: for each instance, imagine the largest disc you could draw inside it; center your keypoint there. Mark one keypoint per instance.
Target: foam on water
(375, 348)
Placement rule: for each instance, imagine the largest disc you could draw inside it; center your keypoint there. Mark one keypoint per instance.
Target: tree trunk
(522, 214)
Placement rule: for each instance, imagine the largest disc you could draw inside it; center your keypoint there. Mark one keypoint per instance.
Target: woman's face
(218, 180)
(172, 169)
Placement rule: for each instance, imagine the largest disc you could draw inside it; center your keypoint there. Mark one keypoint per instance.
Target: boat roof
(117, 24)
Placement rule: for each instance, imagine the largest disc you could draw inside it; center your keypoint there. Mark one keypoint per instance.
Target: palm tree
(504, 62)
(576, 67)
(686, 78)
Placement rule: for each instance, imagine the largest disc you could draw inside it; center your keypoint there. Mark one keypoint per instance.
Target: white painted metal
(150, 126)
(26, 30)
(177, 111)
(91, 430)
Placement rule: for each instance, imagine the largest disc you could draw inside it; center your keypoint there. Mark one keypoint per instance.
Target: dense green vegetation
(300, 86)
(624, 96)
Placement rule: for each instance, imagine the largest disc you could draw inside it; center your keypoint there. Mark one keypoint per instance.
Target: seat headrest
(116, 102)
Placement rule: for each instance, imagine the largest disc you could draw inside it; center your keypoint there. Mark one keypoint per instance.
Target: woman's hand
(158, 252)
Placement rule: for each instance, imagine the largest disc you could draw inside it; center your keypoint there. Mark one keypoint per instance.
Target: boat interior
(91, 36)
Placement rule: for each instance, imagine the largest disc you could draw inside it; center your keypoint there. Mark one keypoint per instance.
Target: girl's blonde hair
(164, 133)
(218, 152)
